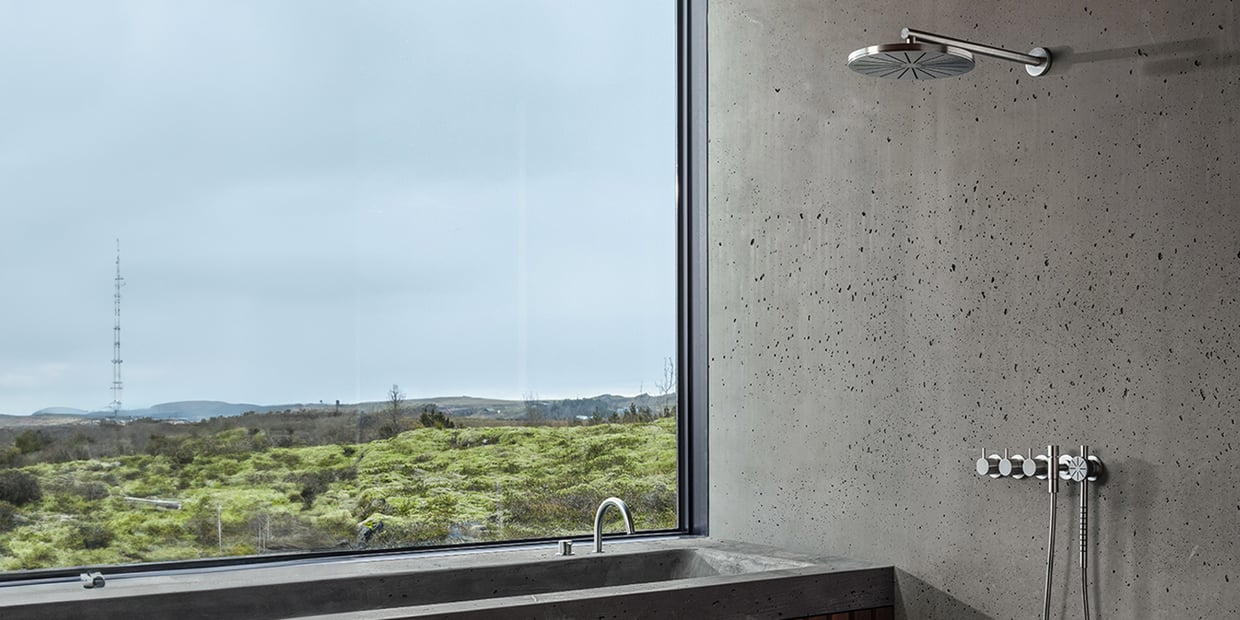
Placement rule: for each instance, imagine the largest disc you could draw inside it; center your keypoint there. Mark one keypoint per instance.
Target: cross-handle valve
(1081, 468)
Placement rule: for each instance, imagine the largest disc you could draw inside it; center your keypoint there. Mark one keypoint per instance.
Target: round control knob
(1013, 466)
(989, 466)
(1032, 467)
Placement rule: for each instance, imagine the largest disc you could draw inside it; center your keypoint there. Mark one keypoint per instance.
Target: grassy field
(240, 496)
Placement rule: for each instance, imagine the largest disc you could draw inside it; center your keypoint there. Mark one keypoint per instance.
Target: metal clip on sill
(93, 580)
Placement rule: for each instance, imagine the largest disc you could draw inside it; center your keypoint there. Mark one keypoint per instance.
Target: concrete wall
(905, 273)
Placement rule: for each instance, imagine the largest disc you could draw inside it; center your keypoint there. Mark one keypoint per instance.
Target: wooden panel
(878, 613)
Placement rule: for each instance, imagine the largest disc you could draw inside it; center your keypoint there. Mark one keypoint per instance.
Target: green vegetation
(249, 485)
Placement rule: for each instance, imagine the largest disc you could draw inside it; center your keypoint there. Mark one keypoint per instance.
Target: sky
(316, 200)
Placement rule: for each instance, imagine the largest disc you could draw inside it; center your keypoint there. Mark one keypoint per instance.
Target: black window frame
(693, 388)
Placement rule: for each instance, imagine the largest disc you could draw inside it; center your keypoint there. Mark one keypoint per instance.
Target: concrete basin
(653, 575)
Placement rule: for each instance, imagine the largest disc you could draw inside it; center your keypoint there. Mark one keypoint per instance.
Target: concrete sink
(643, 578)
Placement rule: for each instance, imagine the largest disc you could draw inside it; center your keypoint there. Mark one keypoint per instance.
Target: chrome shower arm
(1026, 59)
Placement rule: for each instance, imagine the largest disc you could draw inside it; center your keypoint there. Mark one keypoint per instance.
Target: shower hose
(1050, 555)
(1050, 551)
(1085, 546)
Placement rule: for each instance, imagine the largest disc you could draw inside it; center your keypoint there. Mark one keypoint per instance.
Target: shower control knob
(1031, 467)
(1013, 466)
(989, 465)
(1074, 468)
(1079, 468)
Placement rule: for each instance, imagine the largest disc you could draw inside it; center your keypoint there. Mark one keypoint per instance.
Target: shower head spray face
(911, 61)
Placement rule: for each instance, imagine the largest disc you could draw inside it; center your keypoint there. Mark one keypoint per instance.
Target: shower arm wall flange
(1036, 62)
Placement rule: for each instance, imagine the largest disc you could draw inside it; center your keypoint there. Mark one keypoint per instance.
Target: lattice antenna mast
(117, 385)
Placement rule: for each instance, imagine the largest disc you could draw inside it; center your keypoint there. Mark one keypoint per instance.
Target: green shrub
(8, 517)
(92, 536)
(178, 449)
(31, 441)
(35, 555)
(19, 488)
(434, 418)
(90, 491)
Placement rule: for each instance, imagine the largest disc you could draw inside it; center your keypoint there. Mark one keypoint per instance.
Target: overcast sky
(318, 199)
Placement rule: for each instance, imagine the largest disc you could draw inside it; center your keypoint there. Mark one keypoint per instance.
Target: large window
(296, 276)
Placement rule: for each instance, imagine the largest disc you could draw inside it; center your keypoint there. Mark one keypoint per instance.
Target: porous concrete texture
(905, 273)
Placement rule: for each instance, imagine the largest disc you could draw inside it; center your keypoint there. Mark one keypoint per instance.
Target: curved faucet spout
(598, 520)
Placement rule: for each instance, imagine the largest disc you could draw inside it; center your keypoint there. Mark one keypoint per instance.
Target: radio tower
(117, 385)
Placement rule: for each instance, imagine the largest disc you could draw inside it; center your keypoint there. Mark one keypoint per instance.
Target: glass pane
(381, 274)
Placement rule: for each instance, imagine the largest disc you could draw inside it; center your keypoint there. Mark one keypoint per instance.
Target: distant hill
(187, 410)
(60, 411)
(197, 410)
(460, 406)
(498, 409)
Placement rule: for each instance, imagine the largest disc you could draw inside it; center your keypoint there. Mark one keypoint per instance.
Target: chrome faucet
(598, 520)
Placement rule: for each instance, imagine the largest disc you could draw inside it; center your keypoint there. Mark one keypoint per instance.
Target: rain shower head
(925, 56)
(911, 61)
